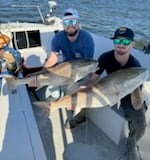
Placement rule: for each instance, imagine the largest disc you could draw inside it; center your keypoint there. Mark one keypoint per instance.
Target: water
(98, 16)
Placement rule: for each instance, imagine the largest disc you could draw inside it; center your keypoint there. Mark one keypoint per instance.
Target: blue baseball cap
(70, 14)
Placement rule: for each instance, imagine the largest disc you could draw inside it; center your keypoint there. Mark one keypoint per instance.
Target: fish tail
(11, 82)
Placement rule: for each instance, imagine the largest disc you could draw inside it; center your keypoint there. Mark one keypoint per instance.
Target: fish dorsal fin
(63, 69)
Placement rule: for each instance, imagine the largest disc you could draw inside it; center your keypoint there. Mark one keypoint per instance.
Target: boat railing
(52, 5)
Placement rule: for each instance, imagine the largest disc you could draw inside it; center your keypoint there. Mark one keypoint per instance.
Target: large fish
(108, 91)
(59, 75)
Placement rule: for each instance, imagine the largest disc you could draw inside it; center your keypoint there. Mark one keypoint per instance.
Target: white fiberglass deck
(19, 135)
(87, 141)
(20, 138)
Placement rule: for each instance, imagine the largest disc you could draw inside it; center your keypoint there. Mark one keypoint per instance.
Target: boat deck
(87, 141)
(19, 135)
(27, 133)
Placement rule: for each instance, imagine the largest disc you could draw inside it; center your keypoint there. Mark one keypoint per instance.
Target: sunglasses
(125, 42)
(72, 22)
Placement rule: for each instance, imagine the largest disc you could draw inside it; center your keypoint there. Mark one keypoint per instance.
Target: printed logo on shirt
(78, 55)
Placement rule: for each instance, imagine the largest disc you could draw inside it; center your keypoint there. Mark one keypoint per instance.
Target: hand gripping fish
(59, 75)
(108, 91)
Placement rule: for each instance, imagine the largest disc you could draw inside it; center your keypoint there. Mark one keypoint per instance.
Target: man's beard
(72, 34)
(122, 51)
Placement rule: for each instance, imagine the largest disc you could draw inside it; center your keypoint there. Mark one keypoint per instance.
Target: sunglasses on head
(125, 42)
(72, 22)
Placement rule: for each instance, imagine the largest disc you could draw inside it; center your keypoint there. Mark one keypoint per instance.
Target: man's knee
(140, 130)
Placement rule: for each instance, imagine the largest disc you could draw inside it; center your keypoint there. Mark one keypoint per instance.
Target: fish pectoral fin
(118, 103)
(118, 100)
(44, 106)
(118, 96)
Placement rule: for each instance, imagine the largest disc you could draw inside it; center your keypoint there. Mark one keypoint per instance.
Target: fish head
(82, 67)
(127, 80)
(136, 73)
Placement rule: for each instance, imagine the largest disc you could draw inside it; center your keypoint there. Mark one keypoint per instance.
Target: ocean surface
(102, 17)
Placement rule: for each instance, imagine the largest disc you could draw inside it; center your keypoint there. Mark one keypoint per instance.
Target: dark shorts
(136, 122)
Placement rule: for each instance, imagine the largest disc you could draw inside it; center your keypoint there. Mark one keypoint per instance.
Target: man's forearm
(52, 60)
